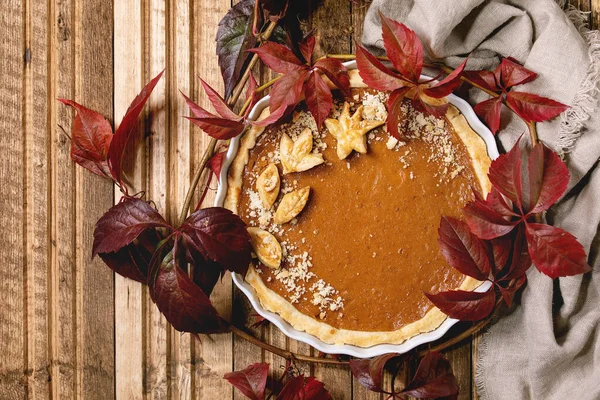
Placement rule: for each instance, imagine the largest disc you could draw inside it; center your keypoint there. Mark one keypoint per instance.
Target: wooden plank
(595, 8)
(128, 71)
(460, 360)
(178, 60)
(94, 312)
(36, 147)
(12, 317)
(155, 325)
(62, 266)
(474, 357)
(213, 356)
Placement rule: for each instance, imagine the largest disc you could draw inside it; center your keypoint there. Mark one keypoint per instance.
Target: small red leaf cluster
(502, 236)
(530, 107)
(213, 240)
(93, 144)
(135, 241)
(252, 382)
(227, 124)
(405, 52)
(433, 378)
(301, 78)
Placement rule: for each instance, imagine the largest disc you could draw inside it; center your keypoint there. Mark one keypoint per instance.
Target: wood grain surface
(69, 328)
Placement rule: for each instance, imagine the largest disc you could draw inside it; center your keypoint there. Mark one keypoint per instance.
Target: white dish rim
(289, 330)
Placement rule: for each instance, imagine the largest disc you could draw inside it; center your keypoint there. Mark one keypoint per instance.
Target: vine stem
(197, 175)
(288, 355)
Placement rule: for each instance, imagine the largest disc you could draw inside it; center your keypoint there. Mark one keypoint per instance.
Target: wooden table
(69, 328)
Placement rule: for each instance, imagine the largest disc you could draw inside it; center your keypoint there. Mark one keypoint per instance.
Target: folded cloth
(549, 346)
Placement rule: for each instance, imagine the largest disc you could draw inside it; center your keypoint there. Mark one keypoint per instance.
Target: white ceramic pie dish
(355, 351)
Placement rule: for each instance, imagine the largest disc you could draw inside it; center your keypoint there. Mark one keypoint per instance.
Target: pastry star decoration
(350, 132)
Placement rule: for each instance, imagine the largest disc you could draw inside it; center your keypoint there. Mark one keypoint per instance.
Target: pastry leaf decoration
(350, 131)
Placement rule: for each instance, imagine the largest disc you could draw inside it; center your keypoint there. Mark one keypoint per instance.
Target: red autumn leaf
(483, 78)
(220, 236)
(251, 381)
(421, 102)
(369, 371)
(485, 222)
(505, 175)
(219, 103)
(464, 305)
(512, 73)
(373, 73)
(555, 252)
(448, 84)
(307, 47)
(395, 111)
(288, 89)
(126, 128)
(133, 260)
(206, 274)
(124, 222)
(336, 72)
(197, 111)
(224, 127)
(532, 107)
(463, 250)
(501, 251)
(179, 299)
(274, 116)
(497, 202)
(278, 57)
(125, 263)
(433, 379)
(318, 98)
(490, 111)
(219, 128)
(234, 37)
(215, 164)
(300, 388)
(403, 48)
(548, 178)
(251, 94)
(508, 293)
(91, 136)
(521, 261)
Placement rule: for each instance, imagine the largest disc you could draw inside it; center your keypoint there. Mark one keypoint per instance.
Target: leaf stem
(533, 133)
(267, 85)
(288, 355)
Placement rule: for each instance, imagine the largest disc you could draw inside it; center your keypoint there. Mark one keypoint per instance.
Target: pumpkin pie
(344, 219)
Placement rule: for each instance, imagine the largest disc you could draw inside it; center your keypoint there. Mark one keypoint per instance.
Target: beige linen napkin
(549, 346)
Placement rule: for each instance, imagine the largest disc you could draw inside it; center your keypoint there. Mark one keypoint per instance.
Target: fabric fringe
(586, 99)
(479, 376)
